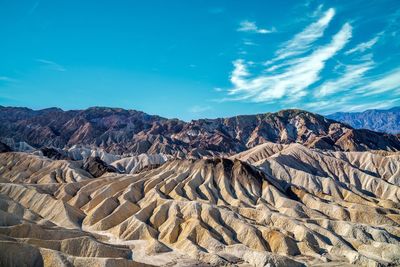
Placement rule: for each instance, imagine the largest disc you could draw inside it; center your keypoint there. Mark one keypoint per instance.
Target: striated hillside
(276, 204)
(387, 121)
(121, 131)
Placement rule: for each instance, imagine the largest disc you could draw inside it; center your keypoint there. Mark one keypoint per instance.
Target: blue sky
(195, 59)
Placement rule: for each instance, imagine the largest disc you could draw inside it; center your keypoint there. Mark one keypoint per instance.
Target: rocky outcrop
(53, 153)
(96, 167)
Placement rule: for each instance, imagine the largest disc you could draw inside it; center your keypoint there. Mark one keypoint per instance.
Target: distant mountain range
(122, 131)
(387, 121)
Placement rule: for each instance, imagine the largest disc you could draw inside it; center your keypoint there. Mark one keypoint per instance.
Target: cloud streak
(389, 82)
(352, 76)
(251, 26)
(358, 91)
(362, 47)
(199, 109)
(313, 70)
(349, 104)
(292, 81)
(302, 41)
(51, 65)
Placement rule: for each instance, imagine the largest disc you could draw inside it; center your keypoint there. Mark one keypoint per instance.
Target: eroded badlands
(282, 205)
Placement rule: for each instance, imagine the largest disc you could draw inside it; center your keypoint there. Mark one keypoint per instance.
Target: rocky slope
(119, 131)
(276, 204)
(387, 121)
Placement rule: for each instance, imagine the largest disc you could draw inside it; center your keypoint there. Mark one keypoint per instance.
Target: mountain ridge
(122, 131)
(379, 120)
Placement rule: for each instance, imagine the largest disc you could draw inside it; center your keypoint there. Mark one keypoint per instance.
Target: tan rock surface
(274, 205)
(19, 167)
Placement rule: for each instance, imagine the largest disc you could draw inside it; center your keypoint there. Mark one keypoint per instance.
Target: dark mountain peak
(52, 109)
(395, 109)
(292, 113)
(15, 108)
(99, 112)
(108, 111)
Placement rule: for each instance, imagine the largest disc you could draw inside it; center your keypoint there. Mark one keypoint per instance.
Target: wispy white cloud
(379, 104)
(302, 41)
(295, 75)
(249, 42)
(389, 82)
(251, 26)
(290, 82)
(363, 92)
(51, 65)
(349, 104)
(350, 78)
(362, 47)
(199, 109)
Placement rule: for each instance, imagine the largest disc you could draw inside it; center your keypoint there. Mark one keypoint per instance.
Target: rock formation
(271, 205)
(96, 167)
